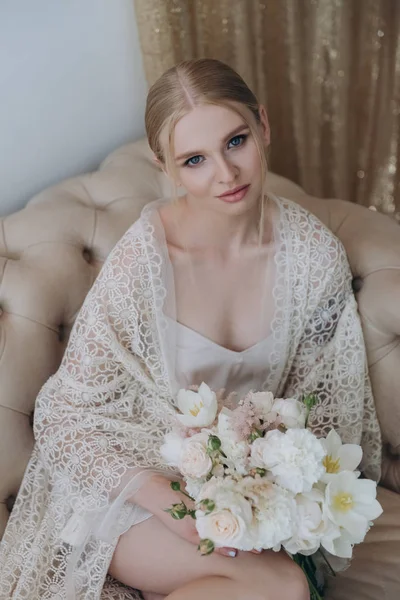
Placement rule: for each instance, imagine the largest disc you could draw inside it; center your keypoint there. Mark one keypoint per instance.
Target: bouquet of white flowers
(261, 480)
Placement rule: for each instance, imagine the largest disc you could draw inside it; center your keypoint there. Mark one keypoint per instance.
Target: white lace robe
(101, 418)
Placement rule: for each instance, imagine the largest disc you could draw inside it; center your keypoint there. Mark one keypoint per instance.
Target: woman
(224, 284)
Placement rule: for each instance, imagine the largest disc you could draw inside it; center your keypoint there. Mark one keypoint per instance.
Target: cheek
(251, 160)
(197, 181)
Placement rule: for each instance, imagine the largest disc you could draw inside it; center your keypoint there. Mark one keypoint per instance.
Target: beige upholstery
(51, 252)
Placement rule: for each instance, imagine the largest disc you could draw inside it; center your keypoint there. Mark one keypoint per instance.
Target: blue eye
(236, 141)
(194, 161)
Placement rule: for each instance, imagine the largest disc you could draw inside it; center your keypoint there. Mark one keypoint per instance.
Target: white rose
(263, 402)
(231, 522)
(225, 528)
(294, 458)
(292, 412)
(198, 409)
(194, 461)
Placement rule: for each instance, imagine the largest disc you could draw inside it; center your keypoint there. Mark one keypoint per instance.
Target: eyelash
(242, 137)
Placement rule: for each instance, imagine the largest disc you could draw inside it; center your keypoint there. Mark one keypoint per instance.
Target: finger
(256, 551)
(230, 552)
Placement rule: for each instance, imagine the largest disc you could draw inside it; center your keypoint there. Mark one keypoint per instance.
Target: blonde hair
(193, 83)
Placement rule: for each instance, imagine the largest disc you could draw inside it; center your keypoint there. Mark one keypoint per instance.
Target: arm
(89, 424)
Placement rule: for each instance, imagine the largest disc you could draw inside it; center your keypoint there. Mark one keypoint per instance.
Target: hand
(156, 496)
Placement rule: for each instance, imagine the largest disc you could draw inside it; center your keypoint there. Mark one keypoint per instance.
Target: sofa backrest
(52, 250)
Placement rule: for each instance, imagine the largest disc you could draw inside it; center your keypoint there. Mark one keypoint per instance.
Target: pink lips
(236, 194)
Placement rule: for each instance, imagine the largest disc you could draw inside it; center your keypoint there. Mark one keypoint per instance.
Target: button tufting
(10, 501)
(87, 255)
(357, 284)
(61, 333)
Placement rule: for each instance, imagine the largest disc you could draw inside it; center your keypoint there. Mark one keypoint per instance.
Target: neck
(219, 232)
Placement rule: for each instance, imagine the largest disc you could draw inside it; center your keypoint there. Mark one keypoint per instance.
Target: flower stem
(307, 565)
(332, 572)
(176, 486)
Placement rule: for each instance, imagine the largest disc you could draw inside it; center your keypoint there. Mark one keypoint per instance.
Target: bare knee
(294, 584)
(278, 577)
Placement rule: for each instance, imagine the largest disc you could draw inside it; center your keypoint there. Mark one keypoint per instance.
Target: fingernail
(232, 553)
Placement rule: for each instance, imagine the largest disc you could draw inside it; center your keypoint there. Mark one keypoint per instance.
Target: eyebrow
(230, 135)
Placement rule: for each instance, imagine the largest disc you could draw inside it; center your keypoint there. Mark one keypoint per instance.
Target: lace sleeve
(90, 423)
(330, 361)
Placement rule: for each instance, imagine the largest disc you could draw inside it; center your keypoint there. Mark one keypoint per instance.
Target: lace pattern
(101, 418)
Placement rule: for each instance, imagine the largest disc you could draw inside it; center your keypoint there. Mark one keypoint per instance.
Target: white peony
(171, 450)
(257, 453)
(292, 412)
(351, 504)
(193, 486)
(311, 524)
(339, 457)
(231, 523)
(235, 449)
(294, 458)
(198, 409)
(274, 508)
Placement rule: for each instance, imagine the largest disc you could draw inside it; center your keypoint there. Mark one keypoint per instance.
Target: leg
(215, 587)
(150, 557)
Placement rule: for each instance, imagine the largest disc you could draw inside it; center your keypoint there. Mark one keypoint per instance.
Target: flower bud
(177, 511)
(310, 401)
(260, 471)
(206, 547)
(176, 486)
(214, 443)
(207, 505)
(255, 435)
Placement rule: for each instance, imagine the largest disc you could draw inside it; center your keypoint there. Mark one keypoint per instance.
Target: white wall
(72, 88)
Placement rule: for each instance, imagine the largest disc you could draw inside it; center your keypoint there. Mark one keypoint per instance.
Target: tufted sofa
(50, 254)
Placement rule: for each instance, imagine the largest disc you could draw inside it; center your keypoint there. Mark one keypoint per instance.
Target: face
(216, 158)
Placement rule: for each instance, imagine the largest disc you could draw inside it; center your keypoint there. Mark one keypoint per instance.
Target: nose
(226, 172)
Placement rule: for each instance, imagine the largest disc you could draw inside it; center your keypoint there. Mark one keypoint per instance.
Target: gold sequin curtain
(327, 70)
